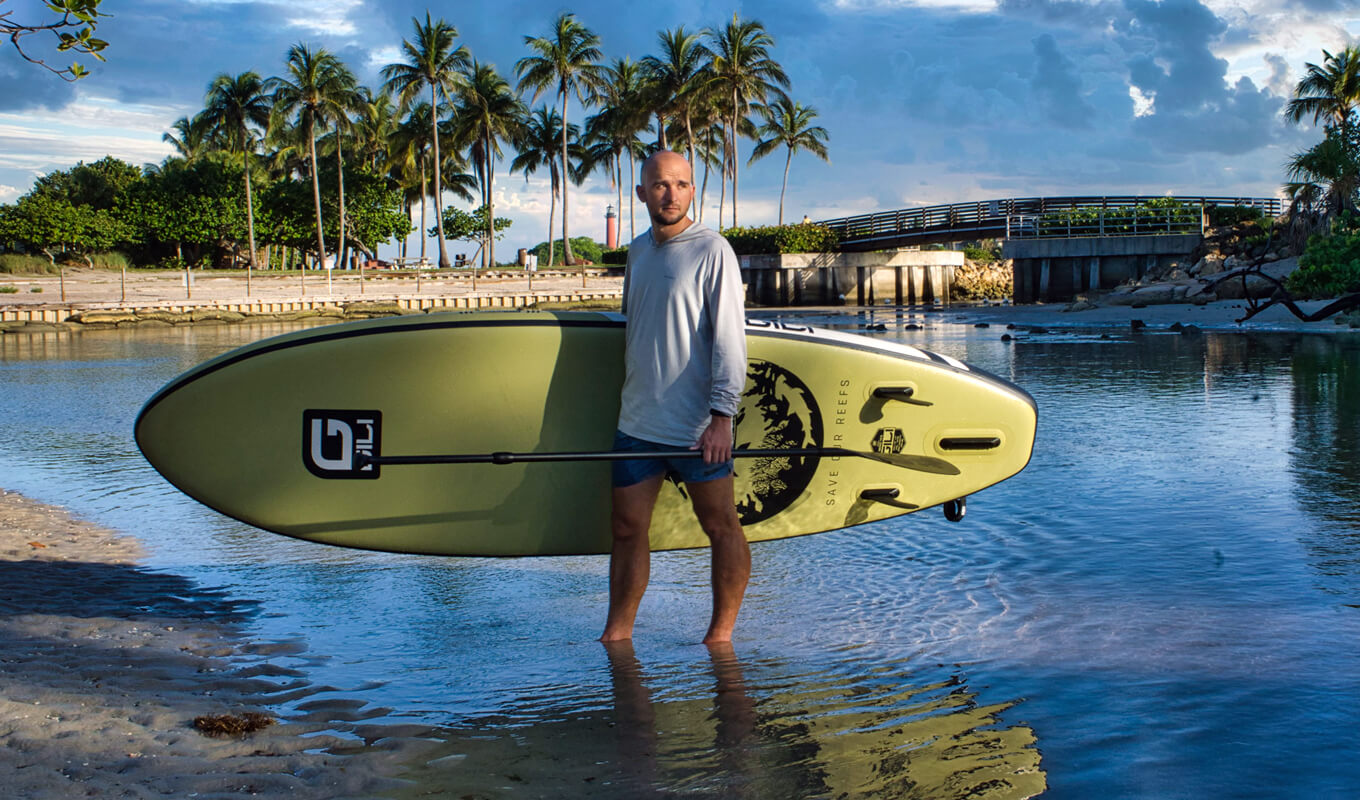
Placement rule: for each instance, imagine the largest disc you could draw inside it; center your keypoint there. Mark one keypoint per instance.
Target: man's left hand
(716, 441)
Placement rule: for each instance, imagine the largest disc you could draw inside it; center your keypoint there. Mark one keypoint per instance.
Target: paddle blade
(931, 464)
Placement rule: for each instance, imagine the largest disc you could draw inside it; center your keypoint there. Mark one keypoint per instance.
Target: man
(685, 358)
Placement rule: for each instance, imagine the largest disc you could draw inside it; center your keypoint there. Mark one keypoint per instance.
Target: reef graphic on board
(777, 411)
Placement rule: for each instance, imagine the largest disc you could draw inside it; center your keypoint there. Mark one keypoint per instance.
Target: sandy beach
(106, 665)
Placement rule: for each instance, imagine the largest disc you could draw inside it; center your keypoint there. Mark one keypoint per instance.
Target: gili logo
(337, 443)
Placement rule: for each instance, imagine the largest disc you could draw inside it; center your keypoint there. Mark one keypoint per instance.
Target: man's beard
(660, 218)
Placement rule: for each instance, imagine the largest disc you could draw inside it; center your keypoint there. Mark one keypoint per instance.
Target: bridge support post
(1093, 274)
(1045, 265)
(897, 286)
(859, 287)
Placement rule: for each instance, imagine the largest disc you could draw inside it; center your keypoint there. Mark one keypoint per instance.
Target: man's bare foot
(611, 635)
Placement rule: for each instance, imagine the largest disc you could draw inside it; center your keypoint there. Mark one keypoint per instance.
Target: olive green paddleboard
(309, 434)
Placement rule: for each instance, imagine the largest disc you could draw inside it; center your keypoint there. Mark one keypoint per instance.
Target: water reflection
(1325, 459)
(760, 730)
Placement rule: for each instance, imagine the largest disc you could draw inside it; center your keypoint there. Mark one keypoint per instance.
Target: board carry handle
(930, 464)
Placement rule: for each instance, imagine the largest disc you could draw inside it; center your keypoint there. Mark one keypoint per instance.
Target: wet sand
(105, 665)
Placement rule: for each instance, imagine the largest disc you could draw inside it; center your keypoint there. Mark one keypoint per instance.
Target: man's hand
(716, 441)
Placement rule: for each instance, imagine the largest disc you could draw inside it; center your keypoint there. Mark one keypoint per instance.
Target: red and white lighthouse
(611, 228)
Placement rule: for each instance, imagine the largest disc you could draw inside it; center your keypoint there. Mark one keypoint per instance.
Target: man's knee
(627, 526)
(722, 527)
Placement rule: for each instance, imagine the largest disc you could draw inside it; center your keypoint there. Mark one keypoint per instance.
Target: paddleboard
(288, 434)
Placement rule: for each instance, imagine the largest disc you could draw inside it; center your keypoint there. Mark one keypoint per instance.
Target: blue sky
(926, 101)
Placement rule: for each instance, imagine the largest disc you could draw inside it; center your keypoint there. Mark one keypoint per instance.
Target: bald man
(685, 362)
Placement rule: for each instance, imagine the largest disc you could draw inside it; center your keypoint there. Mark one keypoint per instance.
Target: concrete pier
(1058, 269)
(899, 277)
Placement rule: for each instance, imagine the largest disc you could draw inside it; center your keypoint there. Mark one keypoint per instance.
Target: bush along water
(1330, 265)
(806, 237)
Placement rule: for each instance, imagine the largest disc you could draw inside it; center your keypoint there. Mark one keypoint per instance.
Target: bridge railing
(988, 218)
(1125, 221)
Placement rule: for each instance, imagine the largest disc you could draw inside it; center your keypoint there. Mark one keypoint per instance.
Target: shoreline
(157, 300)
(107, 664)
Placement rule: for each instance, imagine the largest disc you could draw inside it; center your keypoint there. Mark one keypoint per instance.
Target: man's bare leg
(715, 506)
(630, 559)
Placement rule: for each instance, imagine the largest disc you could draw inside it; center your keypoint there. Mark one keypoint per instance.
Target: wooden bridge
(995, 219)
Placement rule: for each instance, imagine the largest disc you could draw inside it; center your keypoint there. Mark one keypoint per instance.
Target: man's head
(667, 188)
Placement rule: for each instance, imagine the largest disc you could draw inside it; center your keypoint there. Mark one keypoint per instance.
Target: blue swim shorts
(636, 470)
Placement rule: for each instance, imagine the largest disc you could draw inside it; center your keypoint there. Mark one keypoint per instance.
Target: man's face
(667, 189)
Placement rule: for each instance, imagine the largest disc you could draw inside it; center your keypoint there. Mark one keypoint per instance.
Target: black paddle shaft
(929, 464)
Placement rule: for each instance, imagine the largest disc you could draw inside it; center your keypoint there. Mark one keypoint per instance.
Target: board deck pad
(280, 433)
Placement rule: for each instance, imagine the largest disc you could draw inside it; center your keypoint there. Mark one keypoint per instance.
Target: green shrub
(981, 254)
(111, 260)
(807, 237)
(22, 264)
(1330, 265)
(582, 247)
(36, 290)
(618, 255)
(9, 289)
(1220, 216)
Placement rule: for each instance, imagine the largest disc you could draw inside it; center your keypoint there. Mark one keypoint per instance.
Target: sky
(925, 101)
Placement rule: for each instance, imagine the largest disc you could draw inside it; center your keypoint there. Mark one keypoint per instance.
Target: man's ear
(641, 194)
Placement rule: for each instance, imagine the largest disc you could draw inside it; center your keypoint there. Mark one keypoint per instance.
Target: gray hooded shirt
(686, 336)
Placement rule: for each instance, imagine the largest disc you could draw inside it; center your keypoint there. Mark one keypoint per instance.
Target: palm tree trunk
(250, 226)
(552, 212)
(632, 196)
(316, 196)
(661, 131)
(566, 175)
(438, 179)
(722, 187)
(735, 162)
(689, 141)
(784, 185)
(340, 177)
(424, 191)
(490, 201)
(703, 187)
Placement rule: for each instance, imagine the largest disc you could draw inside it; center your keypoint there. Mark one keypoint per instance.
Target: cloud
(24, 85)
(9, 194)
(1057, 86)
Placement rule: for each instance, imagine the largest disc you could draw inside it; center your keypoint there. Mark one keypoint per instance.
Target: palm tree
(744, 72)
(235, 106)
(488, 113)
(373, 128)
(194, 139)
(346, 100)
(789, 125)
(566, 61)
(1328, 92)
(675, 75)
(315, 81)
(431, 61)
(537, 146)
(1325, 177)
(626, 99)
(411, 147)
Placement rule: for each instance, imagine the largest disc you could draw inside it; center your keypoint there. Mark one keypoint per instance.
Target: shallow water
(1165, 603)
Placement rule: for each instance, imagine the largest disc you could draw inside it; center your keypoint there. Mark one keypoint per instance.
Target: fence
(987, 219)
